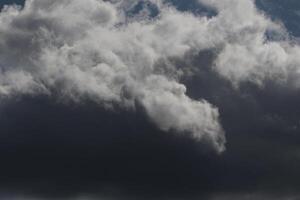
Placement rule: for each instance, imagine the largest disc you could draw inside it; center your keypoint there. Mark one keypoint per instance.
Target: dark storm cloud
(56, 151)
(90, 117)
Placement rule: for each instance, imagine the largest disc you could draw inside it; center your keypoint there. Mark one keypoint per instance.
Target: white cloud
(246, 54)
(87, 49)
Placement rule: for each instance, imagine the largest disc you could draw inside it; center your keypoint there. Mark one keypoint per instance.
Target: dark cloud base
(54, 150)
(59, 150)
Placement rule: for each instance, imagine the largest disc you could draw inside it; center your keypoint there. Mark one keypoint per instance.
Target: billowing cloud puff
(252, 47)
(89, 49)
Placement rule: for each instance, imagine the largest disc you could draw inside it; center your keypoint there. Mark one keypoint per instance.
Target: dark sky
(8, 2)
(53, 150)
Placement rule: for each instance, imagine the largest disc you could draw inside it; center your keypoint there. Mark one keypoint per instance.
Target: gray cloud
(184, 71)
(94, 50)
(239, 61)
(87, 49)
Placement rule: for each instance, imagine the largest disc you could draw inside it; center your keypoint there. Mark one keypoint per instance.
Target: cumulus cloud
(90, 50)
(139, 55)
(252, 47)
(94, 50)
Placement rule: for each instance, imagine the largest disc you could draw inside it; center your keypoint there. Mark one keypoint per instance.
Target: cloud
(252, 46)
(93, 50)
(191, 74)
(89, 50)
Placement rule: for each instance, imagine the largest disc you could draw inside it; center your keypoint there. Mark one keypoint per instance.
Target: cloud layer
(169, 74)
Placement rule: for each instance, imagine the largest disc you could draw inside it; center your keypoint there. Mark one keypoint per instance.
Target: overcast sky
(149, 99)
